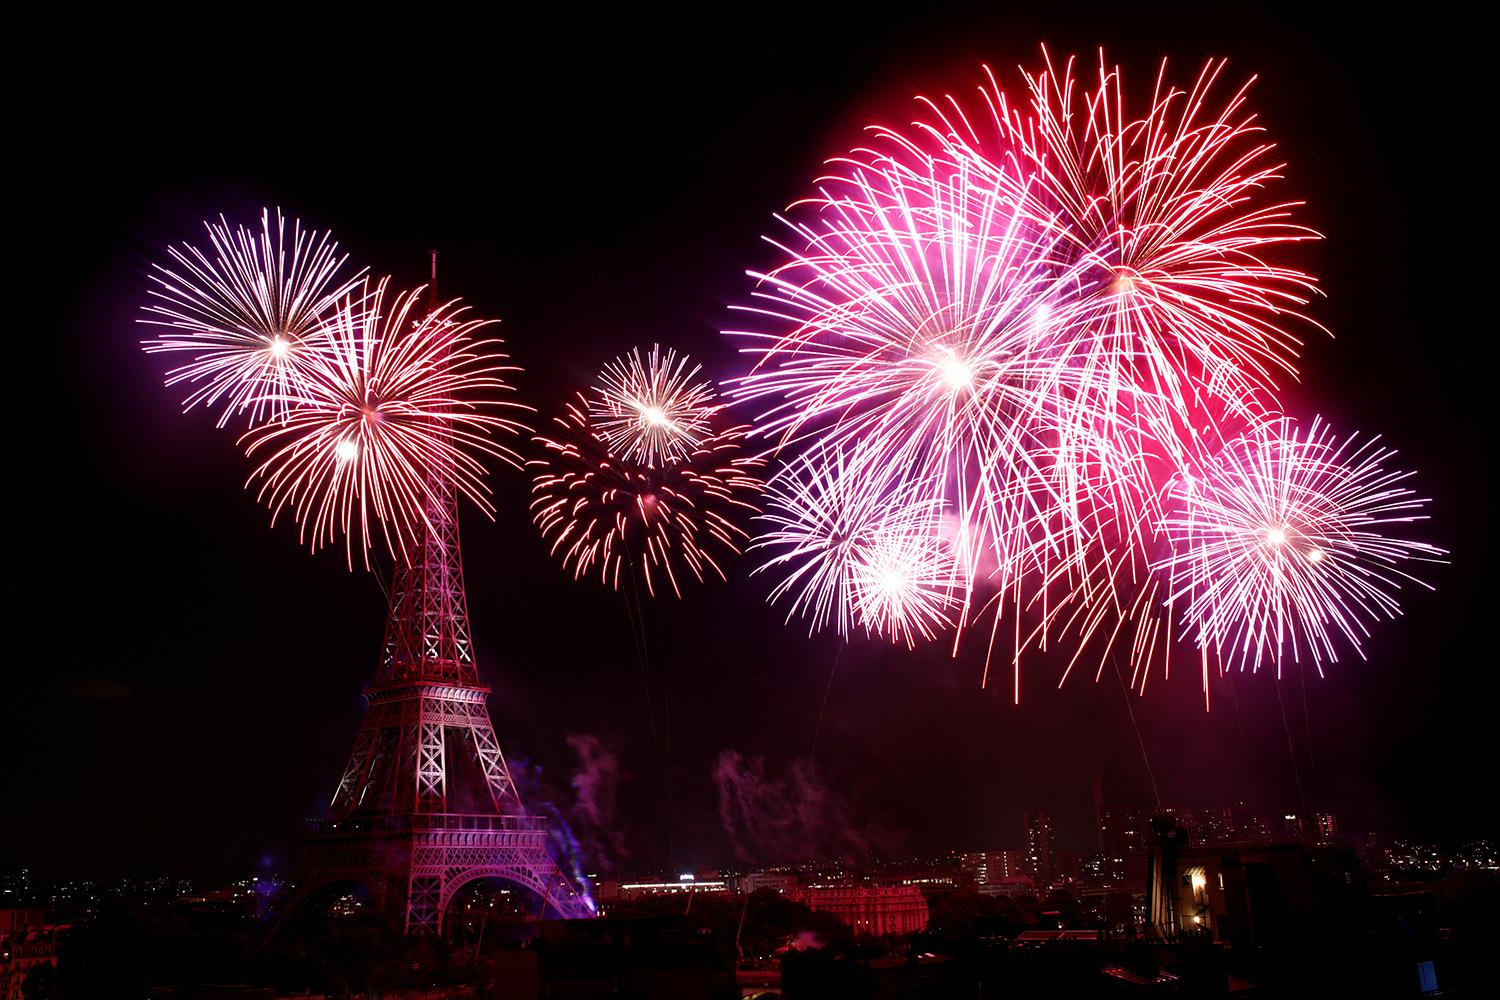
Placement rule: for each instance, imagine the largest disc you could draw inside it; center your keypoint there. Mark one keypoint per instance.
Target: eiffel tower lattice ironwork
(426, 803)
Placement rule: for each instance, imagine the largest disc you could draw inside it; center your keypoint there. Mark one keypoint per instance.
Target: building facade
(27, 942)
(871, 909)
(784, 882)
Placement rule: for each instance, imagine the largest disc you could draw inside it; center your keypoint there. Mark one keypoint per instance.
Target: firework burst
(607, 515)
(1288, 542)
(652, 410)
(846, 552)
(919, 323)
(905, 585)
(249, 312)
(393, 419)
(924, 326)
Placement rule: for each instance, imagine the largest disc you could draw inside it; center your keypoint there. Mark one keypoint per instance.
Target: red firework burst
(607, 515)
(1163, 212)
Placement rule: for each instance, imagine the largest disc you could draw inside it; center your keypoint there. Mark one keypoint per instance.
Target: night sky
(182, 683)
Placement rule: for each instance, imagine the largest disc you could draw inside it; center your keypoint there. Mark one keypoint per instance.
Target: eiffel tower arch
(426, 802)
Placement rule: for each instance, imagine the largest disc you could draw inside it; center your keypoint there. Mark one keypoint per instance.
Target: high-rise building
(986, 867)
(1124, 832)
(1041, 844)
(1208, 826)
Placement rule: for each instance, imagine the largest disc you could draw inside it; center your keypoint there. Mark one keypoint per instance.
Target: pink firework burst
(1289, 542)
(248, 311)
(395, 416)
(653, 410)
(920, 323)
(847, 551)
(609, 515)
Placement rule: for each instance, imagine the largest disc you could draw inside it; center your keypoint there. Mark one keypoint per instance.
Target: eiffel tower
(427, 803)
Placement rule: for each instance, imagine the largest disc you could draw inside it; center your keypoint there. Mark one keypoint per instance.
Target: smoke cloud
(583, 828)
(770, 819)
(596, 781)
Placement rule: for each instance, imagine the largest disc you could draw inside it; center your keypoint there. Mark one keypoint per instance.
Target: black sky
(182, 683)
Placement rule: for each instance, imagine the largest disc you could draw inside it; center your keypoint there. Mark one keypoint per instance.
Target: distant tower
(427, 803)
(1041, 845)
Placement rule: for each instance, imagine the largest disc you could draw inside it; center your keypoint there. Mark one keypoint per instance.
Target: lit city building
(1041, 845)
(1122, 831)
(27, 942)
(992, 866)
(779, 879)
(871, 909)
(1011, 888)
(616, 890)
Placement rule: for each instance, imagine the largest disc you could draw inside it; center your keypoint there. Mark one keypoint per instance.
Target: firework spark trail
(818, 516)
(399, 408)
(1112, 600)
(606, 515)
(1282, 544)
(652, 410)
(249, 311)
